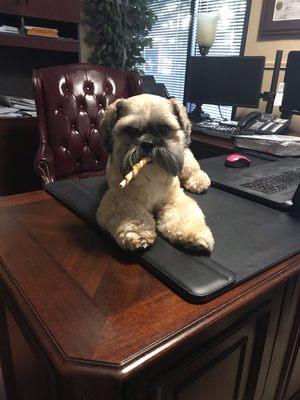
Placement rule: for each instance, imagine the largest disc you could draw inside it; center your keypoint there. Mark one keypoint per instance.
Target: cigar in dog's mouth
(134, 172)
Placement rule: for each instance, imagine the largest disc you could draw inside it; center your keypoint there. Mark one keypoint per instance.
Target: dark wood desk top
(211, 140)
(88, 303)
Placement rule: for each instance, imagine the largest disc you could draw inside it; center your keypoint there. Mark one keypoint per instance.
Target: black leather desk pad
(249, 238)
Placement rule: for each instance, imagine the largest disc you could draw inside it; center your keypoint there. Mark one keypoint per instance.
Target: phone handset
(249, 118)
(264, 124)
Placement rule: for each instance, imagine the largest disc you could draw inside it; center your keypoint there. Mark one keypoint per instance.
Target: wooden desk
(205, 146)
(80, 320)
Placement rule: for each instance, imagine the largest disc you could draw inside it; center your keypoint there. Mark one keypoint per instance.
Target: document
(286, 10)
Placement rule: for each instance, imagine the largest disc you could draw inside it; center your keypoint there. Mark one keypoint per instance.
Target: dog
(152, 126)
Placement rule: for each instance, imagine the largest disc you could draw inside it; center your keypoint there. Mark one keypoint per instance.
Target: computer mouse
(237, 161)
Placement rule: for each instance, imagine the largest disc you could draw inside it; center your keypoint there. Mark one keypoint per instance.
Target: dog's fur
(154, 199)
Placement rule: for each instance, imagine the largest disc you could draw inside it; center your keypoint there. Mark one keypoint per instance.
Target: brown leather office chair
(71, 100)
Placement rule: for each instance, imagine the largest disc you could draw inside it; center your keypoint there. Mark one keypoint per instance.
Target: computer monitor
(291, 95)
(150, 86)
(232, 81)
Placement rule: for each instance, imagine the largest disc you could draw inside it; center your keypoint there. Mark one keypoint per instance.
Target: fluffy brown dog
(148, 125)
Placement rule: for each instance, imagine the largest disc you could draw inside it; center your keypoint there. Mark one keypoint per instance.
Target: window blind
(230, 26)
(229, 35)
(167, 59)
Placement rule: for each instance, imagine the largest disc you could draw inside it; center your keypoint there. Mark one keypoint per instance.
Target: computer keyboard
(275, 183)
(214, 128)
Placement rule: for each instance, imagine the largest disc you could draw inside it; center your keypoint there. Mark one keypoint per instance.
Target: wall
(268, 49)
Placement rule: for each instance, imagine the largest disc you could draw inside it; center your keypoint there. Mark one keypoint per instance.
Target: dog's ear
(184, 122)
(113, 112)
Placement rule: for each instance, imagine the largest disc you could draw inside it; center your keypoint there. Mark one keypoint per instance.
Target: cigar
(134, 172)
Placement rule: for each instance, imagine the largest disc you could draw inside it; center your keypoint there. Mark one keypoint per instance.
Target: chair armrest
(44, 165)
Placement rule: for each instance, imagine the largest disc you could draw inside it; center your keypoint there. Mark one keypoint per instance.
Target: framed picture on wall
(280, 19)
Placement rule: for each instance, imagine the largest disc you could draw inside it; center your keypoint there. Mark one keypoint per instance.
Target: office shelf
(38, 42)
(20, 54)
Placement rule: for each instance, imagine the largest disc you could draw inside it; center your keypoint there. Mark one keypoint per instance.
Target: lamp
(206, 30)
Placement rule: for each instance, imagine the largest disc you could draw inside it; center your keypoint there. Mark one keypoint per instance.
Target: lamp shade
(206, 28)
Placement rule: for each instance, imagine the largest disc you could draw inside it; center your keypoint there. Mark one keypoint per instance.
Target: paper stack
(41, 31)
(9, 29)
(16, 107)
(279, 145)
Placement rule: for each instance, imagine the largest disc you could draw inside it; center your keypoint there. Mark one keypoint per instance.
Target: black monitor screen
(225, 80)
(291, 95)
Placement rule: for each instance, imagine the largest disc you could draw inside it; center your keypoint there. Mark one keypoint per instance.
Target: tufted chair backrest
(71, 100)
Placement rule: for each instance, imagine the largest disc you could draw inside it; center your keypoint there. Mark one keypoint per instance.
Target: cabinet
(67, 10)
(223, 371)
(11, 6)
(255, 356)
(22, 54)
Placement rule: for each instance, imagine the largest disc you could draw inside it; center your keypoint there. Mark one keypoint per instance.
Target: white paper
(273, 138)
(281, 145)
(279, 95)
(286, 10)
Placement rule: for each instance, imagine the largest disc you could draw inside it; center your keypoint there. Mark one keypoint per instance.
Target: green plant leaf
(117, 27)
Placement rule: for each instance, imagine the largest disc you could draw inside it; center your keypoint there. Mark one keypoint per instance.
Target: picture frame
(280, 19)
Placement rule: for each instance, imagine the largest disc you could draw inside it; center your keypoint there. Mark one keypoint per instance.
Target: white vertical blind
(167, 59)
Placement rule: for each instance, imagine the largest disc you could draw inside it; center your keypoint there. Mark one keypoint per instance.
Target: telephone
(263, 124)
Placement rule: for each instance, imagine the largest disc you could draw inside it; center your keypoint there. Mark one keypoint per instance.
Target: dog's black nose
(147, 145)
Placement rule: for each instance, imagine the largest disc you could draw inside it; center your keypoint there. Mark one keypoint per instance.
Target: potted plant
(118, 31)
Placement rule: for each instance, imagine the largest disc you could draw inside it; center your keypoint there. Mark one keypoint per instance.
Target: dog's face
(146, 125)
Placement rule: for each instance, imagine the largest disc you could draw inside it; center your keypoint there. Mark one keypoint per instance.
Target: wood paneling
(223, 370)
(32, 377)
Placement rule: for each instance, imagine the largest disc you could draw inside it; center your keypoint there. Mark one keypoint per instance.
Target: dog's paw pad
(136, 240)
(197, 183)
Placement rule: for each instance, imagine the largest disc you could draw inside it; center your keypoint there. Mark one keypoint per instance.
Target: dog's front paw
(197, 182)
(136, 238)
(202, 240)
(193, 239)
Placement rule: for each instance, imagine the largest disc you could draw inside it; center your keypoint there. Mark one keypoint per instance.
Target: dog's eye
(131, 131)
(164, 129)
